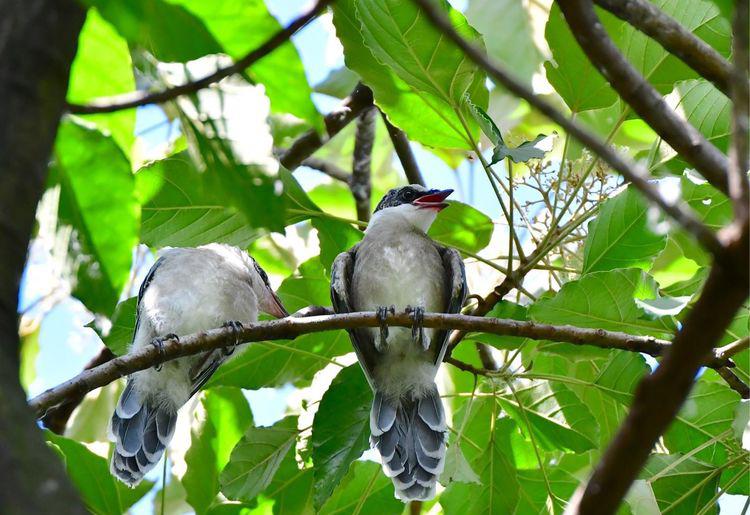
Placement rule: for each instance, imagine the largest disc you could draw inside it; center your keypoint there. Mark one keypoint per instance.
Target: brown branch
(734, 382)
(621, 163)
(733, 348)
(150, 356)
(675, 38)
(738, 151)
(641, 95)
(304, 146)
(141, 98)
(403, 151)
(56, 419)
(660, 395)
(332, 170)
(364, 139)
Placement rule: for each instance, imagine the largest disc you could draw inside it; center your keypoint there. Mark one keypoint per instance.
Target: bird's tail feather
(141, 431)
(410, 436)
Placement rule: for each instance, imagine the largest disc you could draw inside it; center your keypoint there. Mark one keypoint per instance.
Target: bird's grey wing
(456, 288)
(142, 291)
(341, 299)
(204, 368)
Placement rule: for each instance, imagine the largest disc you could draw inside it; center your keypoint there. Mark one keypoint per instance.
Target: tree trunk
(38, 40)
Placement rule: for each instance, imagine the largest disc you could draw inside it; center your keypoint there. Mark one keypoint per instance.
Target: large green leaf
(707, 109)
(556, 417)
(712, 206)
(335, 237)
(421, 95)
(708, 412)
(241, 26)
(506, 28)
(217, 427)
(183, 207)
(364, 490)
(604, 300)
(534, 496)
(256, 458)
(123, 324)
(99, 200)
(102, 67)
(292, 488)
(499, 490)
(571, 73)
(654, 62)
(621, 235)
(682, 486)
(101, 492)
(463, 227)
(341, 430)
(169, 32)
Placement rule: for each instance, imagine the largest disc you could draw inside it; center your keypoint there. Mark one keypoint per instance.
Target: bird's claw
(236, 328)
(382, 315)
(417, 327)
(159, 344)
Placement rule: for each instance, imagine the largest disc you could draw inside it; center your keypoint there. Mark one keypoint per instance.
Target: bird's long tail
(410, 435)
(141, 431)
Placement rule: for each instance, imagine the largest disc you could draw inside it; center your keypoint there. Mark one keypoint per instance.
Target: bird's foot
(382, 314)
(417, 327)
(236, 328)
(159, 344)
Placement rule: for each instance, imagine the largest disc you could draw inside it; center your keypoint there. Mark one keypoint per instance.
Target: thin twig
(675, 38)
(364, 138)
(623, 164)
(141, 98)
(642, 96)
(734, 348)
(734, 382)
(332, 170)
(403, 151)
(292, 327)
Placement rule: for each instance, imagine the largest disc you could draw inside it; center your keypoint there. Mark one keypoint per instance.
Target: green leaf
(217, 427)
(123, 324)
(534, 498)
(571, 73)
(101, 492)
(457, 468)
(185, 208)
(364, 490)
(708, 412)
(29, 351)
(712, 206)
(256, 458)
(654, 62)
(90, 420)
(503, 309)
(341, 430)
(291, 489)
(683, 486)
(499, 490)
(604, 300)
(421, 95)
(98, 198)
(338, 83)
(102, 67)
(506, 28)
(335, 237)
(707, 109)
(169, 32)
(556, 417)
(241, 26)
(621, 235)
(463, 227)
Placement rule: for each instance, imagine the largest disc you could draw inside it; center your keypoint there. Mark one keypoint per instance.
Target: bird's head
(268, 301)
(414, 204)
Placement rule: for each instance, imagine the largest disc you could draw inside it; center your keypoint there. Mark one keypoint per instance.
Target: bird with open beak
(187, 290)
(398, 267)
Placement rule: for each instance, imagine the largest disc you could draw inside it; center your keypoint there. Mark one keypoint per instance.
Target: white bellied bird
(398, 267)
(187, 290)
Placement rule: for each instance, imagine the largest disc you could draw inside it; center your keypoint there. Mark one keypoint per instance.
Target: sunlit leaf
(364, 490)
(463, 227)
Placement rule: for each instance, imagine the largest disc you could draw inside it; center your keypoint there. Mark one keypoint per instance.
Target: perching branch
(359, 184)
(141, 98)
(404, 153)
(332, 170)
(291, 327)
(738, 151)
(675, 39)
(621, 163)
(641, 95)
(304, 146)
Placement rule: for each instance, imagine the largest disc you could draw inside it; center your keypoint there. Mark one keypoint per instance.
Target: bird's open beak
(433, 199)
(274, 307)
